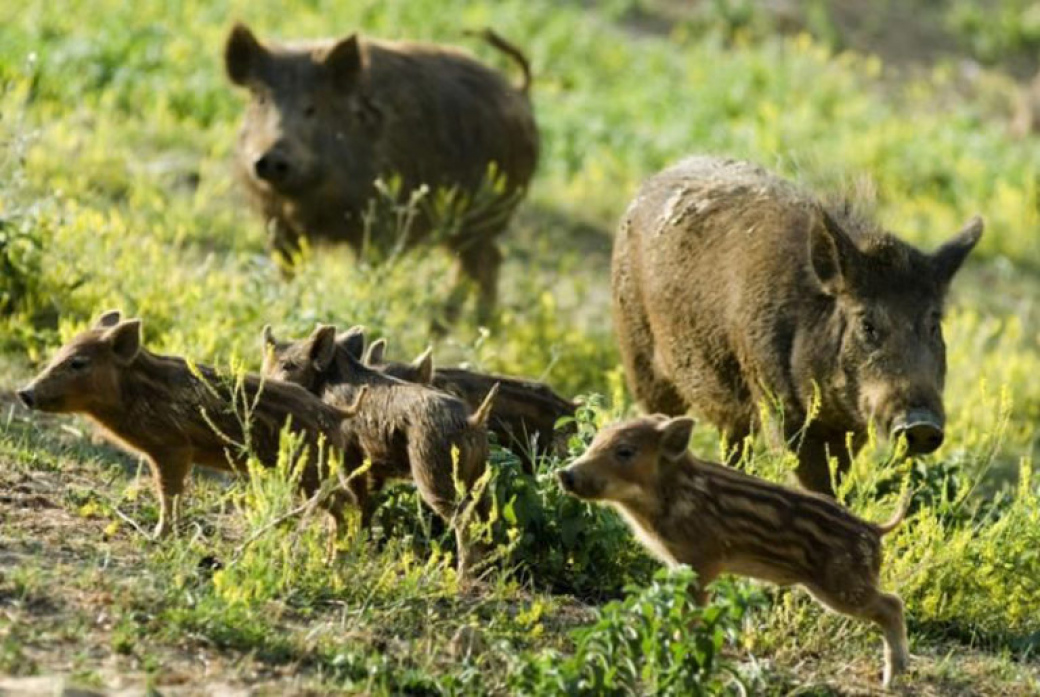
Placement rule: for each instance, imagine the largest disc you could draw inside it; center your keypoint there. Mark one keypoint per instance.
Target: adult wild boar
(329, 118)
(732, 287)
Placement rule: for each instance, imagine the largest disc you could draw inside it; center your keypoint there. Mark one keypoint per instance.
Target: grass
(115, 191)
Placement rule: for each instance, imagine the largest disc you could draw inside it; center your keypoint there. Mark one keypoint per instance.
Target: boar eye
(870, 332)
(625, 452)
(79, 362)
(289, 367)
(309, 111)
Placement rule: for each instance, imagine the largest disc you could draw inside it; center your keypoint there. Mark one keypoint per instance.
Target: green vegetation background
(116, 133)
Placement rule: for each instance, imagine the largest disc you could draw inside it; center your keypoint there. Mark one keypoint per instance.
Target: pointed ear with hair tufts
(352, 342)
(831, 253)
(244, 56)
(268, 337)
(322, 350)
(344, 62)
(423, 365)
(108, 319)
(125, 340)
(376, 352)
(948, 258)
(675, 436)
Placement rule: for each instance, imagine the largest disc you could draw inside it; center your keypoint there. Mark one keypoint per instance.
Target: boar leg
(478, 263)
(883, 609)
(334, 506)
(813, 469)
(170, 470)
(284, 244)
(437, 489)
(651, 388)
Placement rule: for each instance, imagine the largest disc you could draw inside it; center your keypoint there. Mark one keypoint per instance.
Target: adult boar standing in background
(328, 119)
(733, 287)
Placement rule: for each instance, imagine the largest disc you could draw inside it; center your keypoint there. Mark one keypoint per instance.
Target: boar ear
(423, 365)
(675, 436)
(344, 61)
(125, 340)
(108, 319)
(830, 253)
(352, 342)
(376, 352)
(243, 55)
(322, 349)
(948, 258)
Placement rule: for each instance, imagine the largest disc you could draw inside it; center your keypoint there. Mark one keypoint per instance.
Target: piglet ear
(268, 337)
(244, 56)
(125, 340)
(376, 353)
(344, 61)
(948, 258)
(675, 436)
(352, 342)
(423, 366)
(322, 347)
(108, 319)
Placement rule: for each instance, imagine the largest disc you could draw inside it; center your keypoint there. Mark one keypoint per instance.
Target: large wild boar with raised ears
(178, 415)
(733, 288)
(329, 118)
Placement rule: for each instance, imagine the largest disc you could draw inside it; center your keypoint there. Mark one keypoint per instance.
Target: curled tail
(480, 416)
(353, 409)
(893, 522)
(510, 50)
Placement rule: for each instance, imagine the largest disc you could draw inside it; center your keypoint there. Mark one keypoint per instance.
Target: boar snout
(273, 166)
(922, 428)
(566, 477)
(28, 397)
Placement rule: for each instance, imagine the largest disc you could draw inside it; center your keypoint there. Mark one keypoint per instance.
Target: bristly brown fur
(524, 413)
(735, 289)
(179, 414)
(406, 430)
(719, 520)
(337, 116)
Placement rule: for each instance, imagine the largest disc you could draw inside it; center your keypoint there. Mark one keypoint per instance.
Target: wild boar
(523, 416)
(329, 118)
(406, 430)
(733, 288)
(719, 520)
(177, 415)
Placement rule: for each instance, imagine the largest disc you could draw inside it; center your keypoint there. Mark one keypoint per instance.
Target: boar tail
(354, 408)
(895, 520)
(488, 35)
(480, 416)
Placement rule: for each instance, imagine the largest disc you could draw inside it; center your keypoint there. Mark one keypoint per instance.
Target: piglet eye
(625, 452)
(79, 362)
(310, 110)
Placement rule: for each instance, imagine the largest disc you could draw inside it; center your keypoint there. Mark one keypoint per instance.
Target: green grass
(116, 191)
